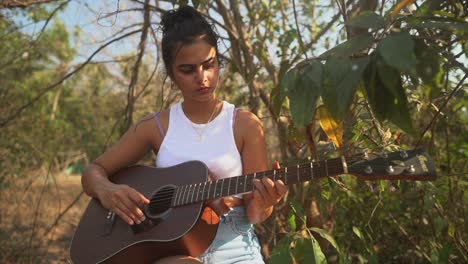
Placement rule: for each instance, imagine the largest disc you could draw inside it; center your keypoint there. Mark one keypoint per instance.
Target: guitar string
(306, 167)
(283, 174)
(169, 193)
(166, 196)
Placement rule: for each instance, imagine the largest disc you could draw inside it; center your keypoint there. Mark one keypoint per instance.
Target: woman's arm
(259, 203)
(121, 199)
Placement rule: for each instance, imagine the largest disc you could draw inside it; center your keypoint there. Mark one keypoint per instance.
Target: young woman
(201, 127)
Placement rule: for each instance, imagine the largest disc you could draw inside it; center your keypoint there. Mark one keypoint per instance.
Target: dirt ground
(38, 217)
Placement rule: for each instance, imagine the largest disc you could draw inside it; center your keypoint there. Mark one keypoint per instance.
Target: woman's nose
(200, 75)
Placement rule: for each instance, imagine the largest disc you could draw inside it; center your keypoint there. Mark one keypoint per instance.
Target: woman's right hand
(125, 201)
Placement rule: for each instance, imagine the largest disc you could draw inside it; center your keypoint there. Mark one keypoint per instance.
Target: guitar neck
(198, 192)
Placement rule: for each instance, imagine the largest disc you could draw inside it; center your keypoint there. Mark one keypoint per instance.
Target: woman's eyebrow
(203, 62)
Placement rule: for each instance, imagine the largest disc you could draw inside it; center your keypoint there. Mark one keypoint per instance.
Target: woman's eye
(186, 70)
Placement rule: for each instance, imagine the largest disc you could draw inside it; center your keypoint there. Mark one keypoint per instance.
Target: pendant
(199, 138)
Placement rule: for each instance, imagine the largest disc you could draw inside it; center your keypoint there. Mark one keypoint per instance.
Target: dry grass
(29, 207)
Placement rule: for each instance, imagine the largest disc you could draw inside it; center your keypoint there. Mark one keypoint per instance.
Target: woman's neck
(201, 112)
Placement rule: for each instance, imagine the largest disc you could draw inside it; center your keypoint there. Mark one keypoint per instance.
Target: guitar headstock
(401, 165)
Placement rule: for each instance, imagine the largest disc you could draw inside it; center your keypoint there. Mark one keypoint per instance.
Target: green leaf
(429, 67)
(357, 232)
(288, 82)
(281, 253)
(307, 250)
(342, 78)
(287, 79)
(292, 221)
(296, 207)
(428, 7)
(398, 51)
(324, 234)
(367, 19)
(390, 77)
(465, 48)
(444, 253)
(448, 24)
(350, 47)
(386, 95)
(305, 92)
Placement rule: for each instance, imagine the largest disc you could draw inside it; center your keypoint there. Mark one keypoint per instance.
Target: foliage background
(389, 75)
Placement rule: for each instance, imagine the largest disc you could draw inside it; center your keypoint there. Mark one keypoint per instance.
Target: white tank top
(217, 148)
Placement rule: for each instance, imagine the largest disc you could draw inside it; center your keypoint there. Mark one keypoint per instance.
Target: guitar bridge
(108, 224)
(145, 225)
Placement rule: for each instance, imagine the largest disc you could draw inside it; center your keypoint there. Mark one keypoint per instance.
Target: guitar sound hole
(160, 202)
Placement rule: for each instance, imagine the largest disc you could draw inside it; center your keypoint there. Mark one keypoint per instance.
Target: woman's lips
(203, 89)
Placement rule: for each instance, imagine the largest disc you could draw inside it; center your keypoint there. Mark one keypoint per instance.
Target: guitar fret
(198, 191)
(237, 183)
(214, 191)
(183, 194)
(222, 189)
(193, 192)
(188, 193)
(190, 196)
(184, 189)
(274, 175)
(203, 192)
(245, 182)
(229, 187)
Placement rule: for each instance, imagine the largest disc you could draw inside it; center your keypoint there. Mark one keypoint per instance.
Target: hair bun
(172, 19)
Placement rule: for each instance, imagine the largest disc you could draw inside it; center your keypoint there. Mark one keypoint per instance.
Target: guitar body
(183, 230)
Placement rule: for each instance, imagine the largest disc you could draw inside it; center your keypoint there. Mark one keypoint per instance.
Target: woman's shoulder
(246, 120)
(152, 122)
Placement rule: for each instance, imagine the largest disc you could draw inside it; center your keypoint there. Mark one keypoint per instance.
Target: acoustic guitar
(178, 220)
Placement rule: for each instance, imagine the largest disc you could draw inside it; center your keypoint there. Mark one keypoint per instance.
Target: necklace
(202, 130)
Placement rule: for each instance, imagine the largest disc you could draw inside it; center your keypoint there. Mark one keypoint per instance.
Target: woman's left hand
(268, 193)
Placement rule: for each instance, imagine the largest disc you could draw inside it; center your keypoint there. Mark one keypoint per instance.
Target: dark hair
(183, 26)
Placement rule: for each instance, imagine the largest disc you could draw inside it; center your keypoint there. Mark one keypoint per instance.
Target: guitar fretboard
(193, 193)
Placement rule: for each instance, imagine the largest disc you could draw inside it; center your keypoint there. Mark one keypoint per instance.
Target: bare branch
(459, 85)
(156, 66)
(32, 43)
(22, 4)
(131, 87)
(16, 113)
(301, 43)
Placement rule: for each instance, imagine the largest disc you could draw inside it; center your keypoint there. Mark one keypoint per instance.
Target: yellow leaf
(332, 128)
(400, 5)
(451, 230)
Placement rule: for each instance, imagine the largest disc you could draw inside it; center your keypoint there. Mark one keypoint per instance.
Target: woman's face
(196, 70)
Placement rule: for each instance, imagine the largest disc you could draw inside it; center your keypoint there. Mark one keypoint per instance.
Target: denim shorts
(235, 241)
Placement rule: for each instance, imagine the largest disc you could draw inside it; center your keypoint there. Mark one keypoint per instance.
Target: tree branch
(16, 113)
(128, 121)
(6, 4)
(32, 43)
(459, 85)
